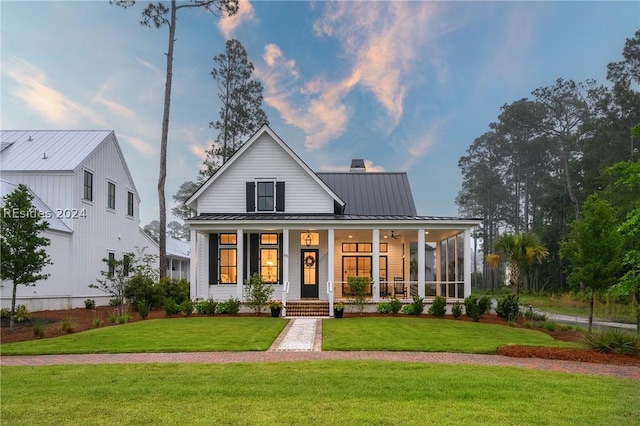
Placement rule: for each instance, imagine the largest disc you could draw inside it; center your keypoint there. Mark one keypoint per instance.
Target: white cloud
(50, 104)
(381, 42)
(140, 145)
(198, 150)
(424, 144)
(227, 24)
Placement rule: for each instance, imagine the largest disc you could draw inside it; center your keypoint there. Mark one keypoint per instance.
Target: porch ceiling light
(308, 239)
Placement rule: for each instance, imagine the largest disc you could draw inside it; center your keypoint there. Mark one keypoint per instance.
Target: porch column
(285, 256)
(239, 263)
(375, 286)
(467, 263)
(331, 266)
(193, 264)
(204, 283)
(421, 289)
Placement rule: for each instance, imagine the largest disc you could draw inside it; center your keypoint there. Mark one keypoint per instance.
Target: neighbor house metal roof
(178, 248)
(47, 150)
(372, 194)
(50, 216)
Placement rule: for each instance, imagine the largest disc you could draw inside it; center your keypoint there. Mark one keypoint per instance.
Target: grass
(430, 335)
(567, 304)
(319, 393)
(196, 334)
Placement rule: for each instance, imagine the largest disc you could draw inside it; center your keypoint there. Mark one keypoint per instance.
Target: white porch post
(331, 266)
(193, 264)
(285, 257)
(239, 263)
(204, 282)
(467, 263)
(421, 261)
(375, 286)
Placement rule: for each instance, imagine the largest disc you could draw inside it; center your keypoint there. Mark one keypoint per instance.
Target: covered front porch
(313, 262)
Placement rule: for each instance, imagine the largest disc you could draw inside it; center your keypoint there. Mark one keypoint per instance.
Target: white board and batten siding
(97, 230)
(265, 160)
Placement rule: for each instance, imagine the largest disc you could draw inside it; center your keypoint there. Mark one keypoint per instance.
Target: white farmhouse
(82, 180)
(265, 211)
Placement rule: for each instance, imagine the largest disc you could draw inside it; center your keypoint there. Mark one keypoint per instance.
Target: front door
(309, 270)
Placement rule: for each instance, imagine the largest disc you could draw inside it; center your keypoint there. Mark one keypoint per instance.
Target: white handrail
(285, 292)
(330, 294)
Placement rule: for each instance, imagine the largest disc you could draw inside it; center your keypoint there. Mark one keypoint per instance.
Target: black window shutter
(280, 257)
(245, 253)
(279, 196)
(254, 248)
(213, 259)
(251, 196)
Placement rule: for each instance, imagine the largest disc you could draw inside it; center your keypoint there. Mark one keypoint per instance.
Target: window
(111, 257)
(88, 186)
(228, 259)
(126, 263)
(356, 247)
(269, 257)
(111, 195)
(309, 239)
(266, 197)
(130, 203)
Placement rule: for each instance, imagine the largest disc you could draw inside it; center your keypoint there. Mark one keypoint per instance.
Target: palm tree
(518, 251)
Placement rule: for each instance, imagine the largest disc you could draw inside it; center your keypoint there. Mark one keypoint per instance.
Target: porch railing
(285, 294)
(406, 289)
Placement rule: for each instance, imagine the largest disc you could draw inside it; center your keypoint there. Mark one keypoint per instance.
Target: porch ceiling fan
(394, 236)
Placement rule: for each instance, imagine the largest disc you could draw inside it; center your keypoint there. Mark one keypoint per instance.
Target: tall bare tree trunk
(162, 177)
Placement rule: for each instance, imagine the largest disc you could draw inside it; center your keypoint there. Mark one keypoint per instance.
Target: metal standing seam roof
(54, 222)
(374, 194)
(47, 150)
(318, 217)
(177, 248)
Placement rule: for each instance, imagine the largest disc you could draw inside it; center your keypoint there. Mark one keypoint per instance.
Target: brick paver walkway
(628, 372)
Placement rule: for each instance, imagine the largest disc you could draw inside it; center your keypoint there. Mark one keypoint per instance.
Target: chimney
(357, 166)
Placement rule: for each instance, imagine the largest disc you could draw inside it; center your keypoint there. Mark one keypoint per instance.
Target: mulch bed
(83, 319)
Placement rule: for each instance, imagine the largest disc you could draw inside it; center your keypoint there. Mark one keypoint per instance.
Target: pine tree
(241, 113)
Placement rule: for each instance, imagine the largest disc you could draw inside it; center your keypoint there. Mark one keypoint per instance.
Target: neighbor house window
(111, 195)
(228, 259)
(130, 203)
(111, 257)
(266, 197)
(126, 263)
(88, 186)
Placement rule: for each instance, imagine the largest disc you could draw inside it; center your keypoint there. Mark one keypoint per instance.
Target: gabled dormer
(265, 177)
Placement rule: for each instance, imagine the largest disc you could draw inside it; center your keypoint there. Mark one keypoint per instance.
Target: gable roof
(373, 194)
(234, 158)
(53, 150)
(55, 223)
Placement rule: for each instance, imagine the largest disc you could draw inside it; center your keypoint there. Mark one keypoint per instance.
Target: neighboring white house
(266, 211)
(82, 179)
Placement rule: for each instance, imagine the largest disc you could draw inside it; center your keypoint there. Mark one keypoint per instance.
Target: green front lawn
(195, 334)
(313, 393)
(427, 335)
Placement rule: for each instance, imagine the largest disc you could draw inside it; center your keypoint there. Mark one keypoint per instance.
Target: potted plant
(338, 310)
(276, 308)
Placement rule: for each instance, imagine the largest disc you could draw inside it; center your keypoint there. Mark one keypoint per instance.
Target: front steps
(308, 308)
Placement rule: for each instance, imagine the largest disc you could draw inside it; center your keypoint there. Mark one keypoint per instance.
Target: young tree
(115, 279)
(160, 15)
(22, 253)
(241, 113)
(593, 247)
(519, 251)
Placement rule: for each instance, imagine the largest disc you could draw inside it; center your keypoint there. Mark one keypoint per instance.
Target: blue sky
(407, 86)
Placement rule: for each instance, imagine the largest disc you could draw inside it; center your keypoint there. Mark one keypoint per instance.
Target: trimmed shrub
(206, 307)
(484, 304)
(90, 304)
(384, 307)
(170, 307)
(358, 289)
(140, 289)
(418, 305)
(143, 309)
(407, 309)
(187, 307)
(456, 310)
(172, 288)
(231, 306)
(439, 306)
(508, 307)
(476, 307)
(395, 305)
